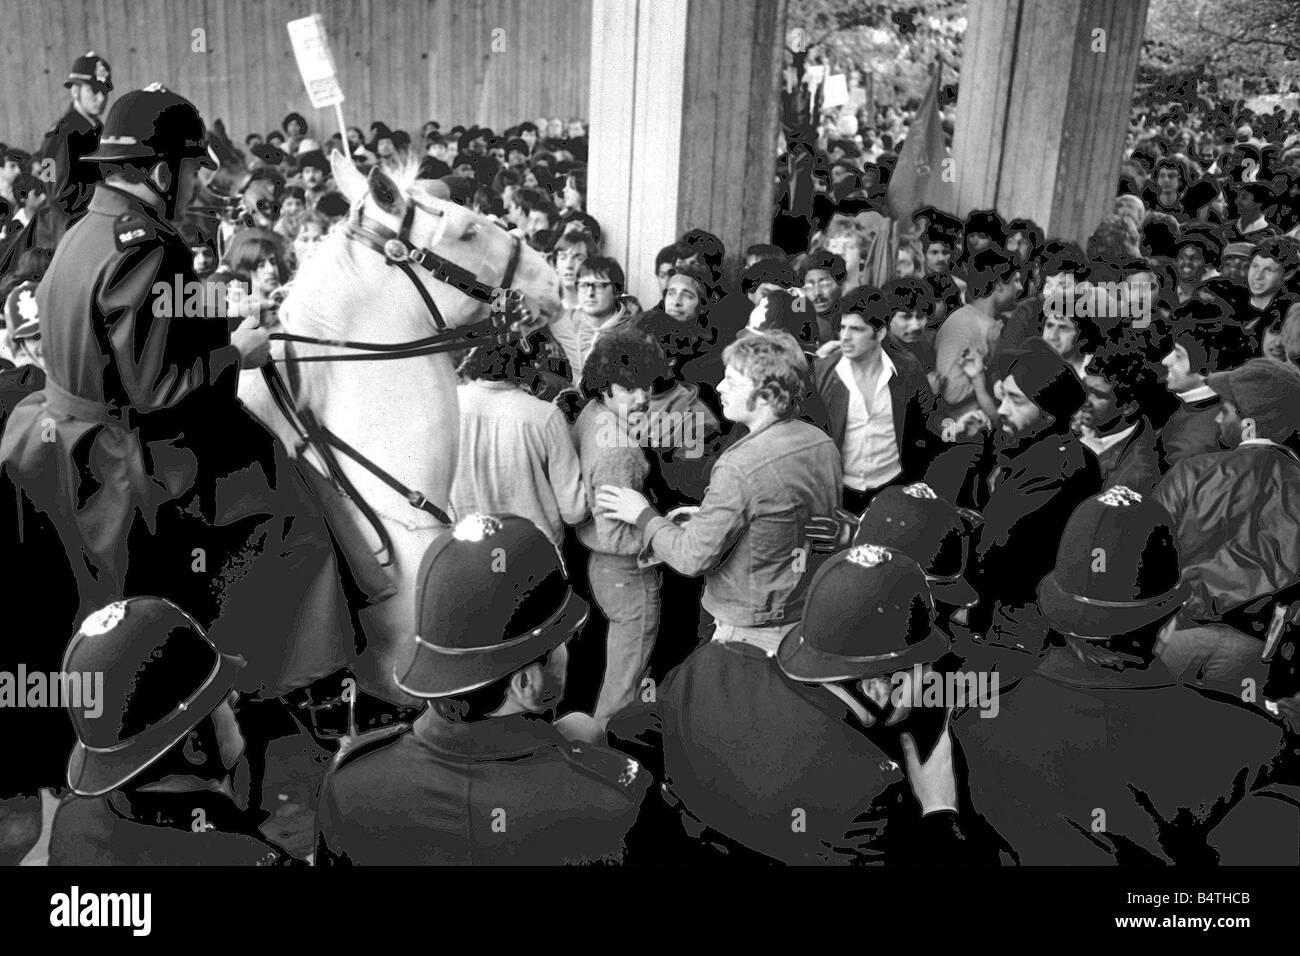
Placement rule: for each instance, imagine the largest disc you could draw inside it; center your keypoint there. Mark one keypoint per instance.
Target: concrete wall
(1043, 108)
(684, 119)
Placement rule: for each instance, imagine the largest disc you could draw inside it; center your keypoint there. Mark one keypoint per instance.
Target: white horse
(401, 414)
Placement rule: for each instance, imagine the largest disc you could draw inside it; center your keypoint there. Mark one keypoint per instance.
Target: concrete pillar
(684, 119)
(1046, 87)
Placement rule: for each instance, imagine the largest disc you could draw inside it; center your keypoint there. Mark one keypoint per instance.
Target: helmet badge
(869, 555)
(1120, 496)
(475, 527)
(920, 490)
(105, 619)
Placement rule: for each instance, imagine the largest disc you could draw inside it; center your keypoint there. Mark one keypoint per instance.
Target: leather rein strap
(396, 249)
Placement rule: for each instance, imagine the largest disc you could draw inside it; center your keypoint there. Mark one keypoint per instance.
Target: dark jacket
(781, 768)
(1078, 769)
(156, 829)
(914, 406)
(1033, 495)
(152, 455)
(1191, 430)
(505, 790)
(1237, 517)
(15, 385)
(1134, 462)
(71, 138)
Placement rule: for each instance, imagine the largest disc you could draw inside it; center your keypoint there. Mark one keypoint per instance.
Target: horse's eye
(469, 233)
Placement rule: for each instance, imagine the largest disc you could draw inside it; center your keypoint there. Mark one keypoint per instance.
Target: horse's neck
(401, 414)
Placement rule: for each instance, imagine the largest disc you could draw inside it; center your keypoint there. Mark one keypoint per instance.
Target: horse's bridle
(397, 250)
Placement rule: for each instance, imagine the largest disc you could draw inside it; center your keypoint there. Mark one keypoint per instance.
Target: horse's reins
(397, 250)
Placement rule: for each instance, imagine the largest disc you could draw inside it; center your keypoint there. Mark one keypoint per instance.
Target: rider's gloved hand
(253, 343)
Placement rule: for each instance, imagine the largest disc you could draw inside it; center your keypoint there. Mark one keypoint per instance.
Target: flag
(918, 175)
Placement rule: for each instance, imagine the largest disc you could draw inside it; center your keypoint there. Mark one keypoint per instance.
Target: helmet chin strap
(168, 197)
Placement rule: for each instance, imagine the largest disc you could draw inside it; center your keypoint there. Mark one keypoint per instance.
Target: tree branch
(1247, 40)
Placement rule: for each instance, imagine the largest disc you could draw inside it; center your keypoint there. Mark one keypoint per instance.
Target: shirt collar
(1102, 443)
(844, 367)
(1198, 394)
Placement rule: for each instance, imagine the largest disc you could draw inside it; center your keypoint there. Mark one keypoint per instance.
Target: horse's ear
(386, 193)
(347, 177)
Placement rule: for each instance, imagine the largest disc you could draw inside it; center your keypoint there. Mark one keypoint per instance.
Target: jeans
(628, 596)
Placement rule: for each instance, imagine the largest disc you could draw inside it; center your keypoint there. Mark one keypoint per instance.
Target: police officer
(802, 753)
(483, 776)
(1083, 765)
(137, 447)
(157, 746)
(76, 135)
(938, 535)
(66, 144)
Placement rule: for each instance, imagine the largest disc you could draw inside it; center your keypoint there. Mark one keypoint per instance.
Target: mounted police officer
(1083, 765)
(483, 776)
(138, 449)
(66, 144)
(153, 773)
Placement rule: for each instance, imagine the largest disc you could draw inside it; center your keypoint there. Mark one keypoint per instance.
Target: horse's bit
(397, 250)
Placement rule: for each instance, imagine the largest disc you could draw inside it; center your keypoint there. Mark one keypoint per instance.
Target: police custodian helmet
(1117, 569)
(492, 598)
(869, 613)
(153, 124)
(93, 69)
(162, 676)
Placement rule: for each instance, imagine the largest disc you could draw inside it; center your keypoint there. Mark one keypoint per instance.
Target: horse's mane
(405, 172)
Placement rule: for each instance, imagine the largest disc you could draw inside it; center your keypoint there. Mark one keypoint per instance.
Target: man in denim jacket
(747, 534)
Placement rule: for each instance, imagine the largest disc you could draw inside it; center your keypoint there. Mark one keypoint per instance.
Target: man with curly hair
(1117, 380)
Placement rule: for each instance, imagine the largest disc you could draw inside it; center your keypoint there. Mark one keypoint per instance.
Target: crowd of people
(818, 475)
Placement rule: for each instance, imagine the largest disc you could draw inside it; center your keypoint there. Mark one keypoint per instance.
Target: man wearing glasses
(823, 282)
(600, 309)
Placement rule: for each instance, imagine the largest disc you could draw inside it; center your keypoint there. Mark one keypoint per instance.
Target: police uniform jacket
(782, 768)
(157, 829)
(1086, 765)
(1032, 496)
(504, 790)
(71, 138)
(138, 431)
